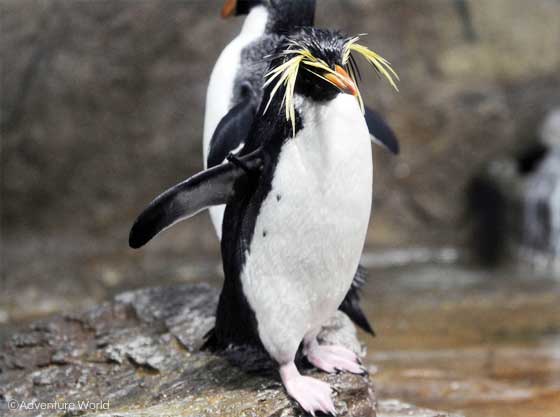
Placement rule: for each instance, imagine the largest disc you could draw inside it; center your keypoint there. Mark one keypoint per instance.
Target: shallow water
(483, 343)
(453, 338)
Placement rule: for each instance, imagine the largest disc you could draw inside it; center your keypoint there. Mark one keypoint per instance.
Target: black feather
(212, 187)
(231, 132)
(351, 303)
(381, 131)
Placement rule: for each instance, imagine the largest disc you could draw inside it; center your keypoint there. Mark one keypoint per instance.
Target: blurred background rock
(102, 107)
(103, 101)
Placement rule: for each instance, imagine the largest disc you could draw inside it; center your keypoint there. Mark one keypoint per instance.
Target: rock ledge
(139, 356)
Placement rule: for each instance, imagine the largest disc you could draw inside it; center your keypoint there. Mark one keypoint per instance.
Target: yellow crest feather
(286, 73)
(380, 64)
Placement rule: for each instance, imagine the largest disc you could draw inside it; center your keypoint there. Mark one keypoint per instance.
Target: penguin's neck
(255, 23)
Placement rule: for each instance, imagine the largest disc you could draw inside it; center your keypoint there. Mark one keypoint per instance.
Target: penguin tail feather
(351, 303)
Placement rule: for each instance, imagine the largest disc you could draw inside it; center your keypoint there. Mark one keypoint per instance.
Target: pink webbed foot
(311, 394)
(332, 358)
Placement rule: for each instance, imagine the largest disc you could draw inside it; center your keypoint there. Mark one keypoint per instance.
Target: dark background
(102, 104)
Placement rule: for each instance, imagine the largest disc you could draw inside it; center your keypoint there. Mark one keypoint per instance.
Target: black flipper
(212, 187)
(380, 131)
(351, 303)
(231, 132)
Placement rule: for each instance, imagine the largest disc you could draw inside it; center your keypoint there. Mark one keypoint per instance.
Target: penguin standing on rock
(235, 93)
(298, 202)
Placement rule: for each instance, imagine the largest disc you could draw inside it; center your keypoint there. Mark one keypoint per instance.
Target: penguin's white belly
(311, 228)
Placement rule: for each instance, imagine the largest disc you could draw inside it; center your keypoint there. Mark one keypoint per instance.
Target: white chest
(324, 177)
(311, 227)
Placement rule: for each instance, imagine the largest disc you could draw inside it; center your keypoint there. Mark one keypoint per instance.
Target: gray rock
(139, 356)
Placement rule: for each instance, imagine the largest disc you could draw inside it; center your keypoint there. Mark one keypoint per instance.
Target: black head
(312, 63)
(319, 65)
(328, 75)
(285, 15)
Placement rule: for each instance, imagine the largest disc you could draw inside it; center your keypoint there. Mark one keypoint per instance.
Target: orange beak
(229, 8)
(342, 80)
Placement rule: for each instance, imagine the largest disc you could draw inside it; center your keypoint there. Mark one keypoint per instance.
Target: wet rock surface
(139, 355)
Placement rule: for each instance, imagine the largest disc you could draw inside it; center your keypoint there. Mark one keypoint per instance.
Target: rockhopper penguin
(298, 201)
(235, 93)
